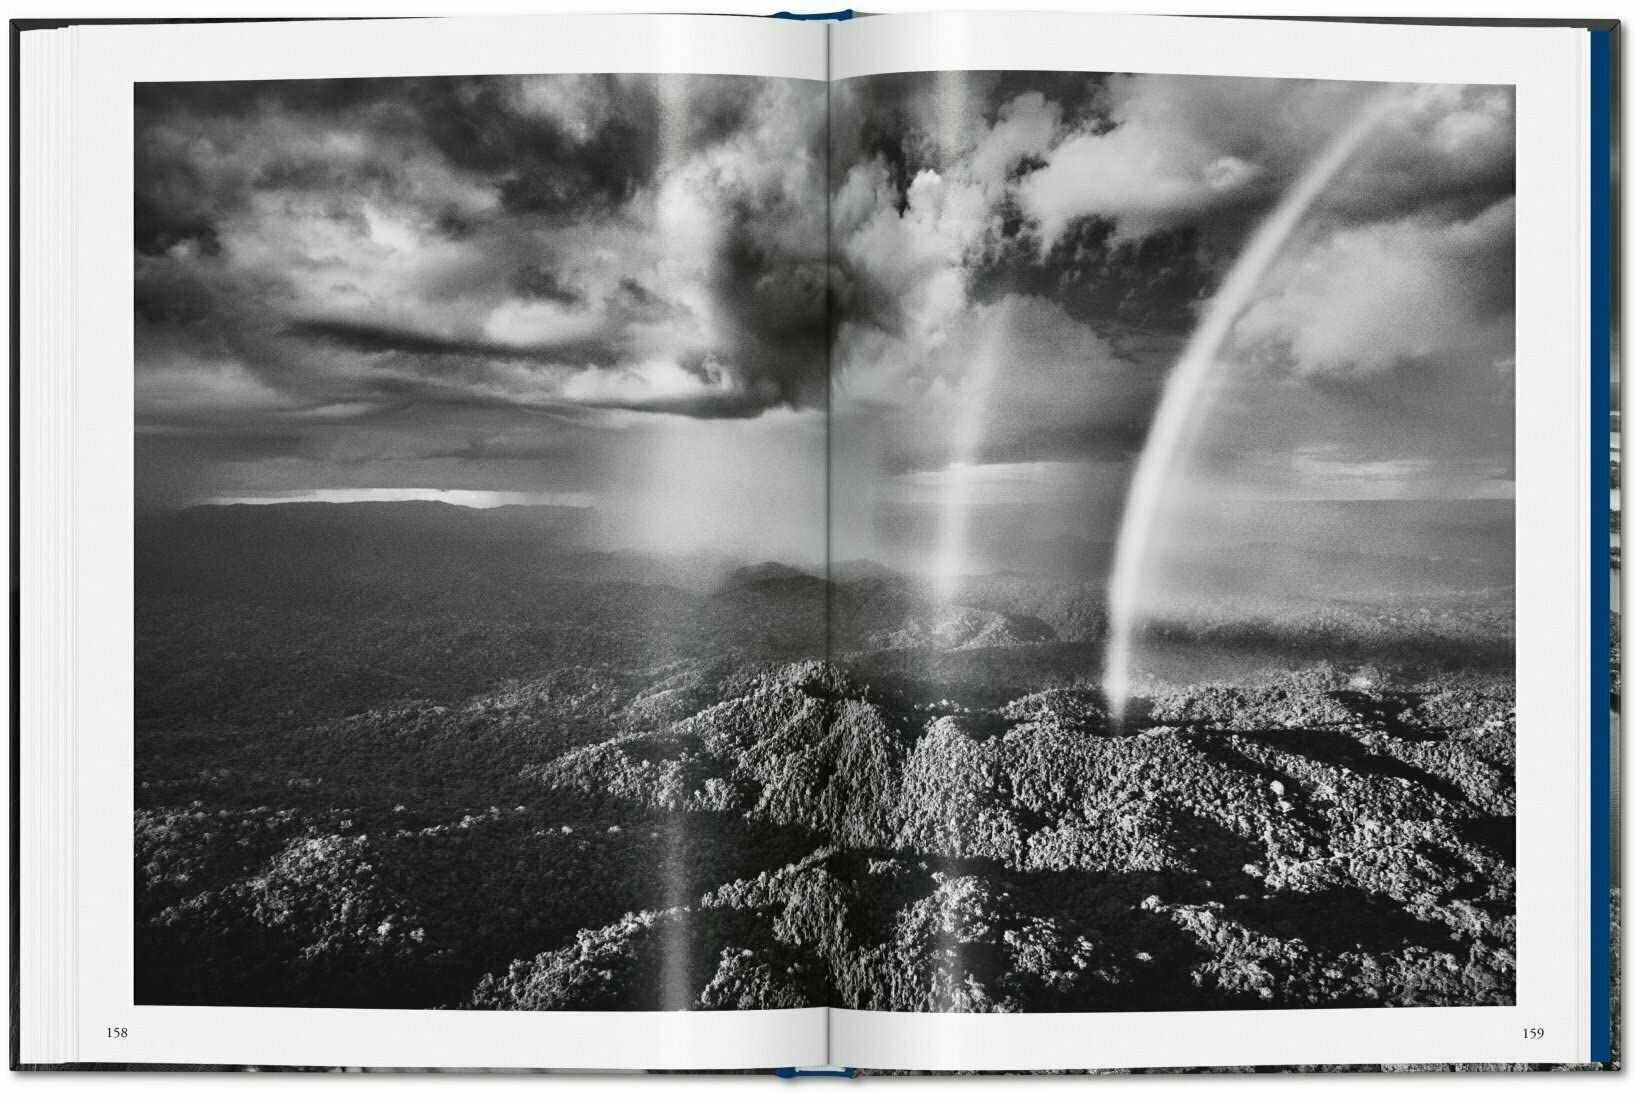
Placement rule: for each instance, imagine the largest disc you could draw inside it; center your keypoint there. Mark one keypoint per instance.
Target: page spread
(929, 543)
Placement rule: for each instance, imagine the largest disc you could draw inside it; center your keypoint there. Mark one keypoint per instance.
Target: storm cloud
(441, 276)
(1106, 209)
(536, 284)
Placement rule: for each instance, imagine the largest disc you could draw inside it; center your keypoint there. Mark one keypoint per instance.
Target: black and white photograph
(930, 542)
(481, 443)
(1173, 525)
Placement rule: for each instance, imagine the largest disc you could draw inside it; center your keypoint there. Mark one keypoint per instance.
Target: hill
(753, 837)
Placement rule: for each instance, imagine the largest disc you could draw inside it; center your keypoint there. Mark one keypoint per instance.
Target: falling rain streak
(1179, 413)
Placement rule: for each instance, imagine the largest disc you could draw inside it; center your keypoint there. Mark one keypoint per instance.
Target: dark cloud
(1106, 209)
(537, 163)
(542, 283)
(325, 252)
(373, 339)
(1117, 285)
(334, 273)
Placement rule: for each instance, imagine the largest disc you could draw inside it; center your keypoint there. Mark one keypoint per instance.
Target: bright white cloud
(1175, 149)
(540, 323)
(1363, 299)
(920, 259)
(659, 384)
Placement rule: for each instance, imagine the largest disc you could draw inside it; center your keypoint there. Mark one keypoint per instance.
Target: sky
(617, 293)
(1021, 257)
(600, 291)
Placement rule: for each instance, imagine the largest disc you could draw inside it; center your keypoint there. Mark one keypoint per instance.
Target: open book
(1009, 542)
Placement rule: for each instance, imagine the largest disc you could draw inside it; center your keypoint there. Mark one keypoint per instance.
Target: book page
(470, 457)
(1211, 626)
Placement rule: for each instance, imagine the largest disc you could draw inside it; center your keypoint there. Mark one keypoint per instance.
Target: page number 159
(1532, 1033)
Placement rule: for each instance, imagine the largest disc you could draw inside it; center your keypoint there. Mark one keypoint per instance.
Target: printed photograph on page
(492, 651)
(480, 473)
(1173, 562)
